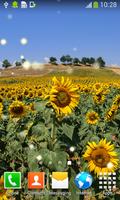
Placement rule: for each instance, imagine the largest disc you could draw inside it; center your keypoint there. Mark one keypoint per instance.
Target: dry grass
(47, 69)
(116, 70)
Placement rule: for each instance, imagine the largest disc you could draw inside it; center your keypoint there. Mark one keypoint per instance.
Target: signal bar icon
(94, 4)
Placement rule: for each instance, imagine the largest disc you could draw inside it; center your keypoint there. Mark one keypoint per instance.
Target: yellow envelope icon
(60, 180)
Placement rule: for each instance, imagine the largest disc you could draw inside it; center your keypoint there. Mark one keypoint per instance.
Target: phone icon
(12, 180)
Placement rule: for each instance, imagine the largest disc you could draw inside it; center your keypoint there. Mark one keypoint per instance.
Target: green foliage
(76, 61)
(6, 64)
(53, 60)
(41, 142)
(17, 63)
(66, 59)
(101, 62)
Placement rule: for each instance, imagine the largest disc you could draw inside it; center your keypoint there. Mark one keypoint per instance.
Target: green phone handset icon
(12, 180)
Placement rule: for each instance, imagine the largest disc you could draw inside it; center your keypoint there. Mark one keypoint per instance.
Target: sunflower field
(46, 122)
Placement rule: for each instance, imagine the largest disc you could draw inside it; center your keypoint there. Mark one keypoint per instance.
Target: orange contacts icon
(36, 180)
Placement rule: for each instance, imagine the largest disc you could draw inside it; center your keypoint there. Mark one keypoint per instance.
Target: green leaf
(72, 187)
(56, 161)
(68, 130)
(11, 127)
(40, 106)
(32, 160)
(39, 129)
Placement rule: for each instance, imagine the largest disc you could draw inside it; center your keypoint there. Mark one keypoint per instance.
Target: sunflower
(111, 112)
(63, 96)
(32, 107)
(86, 89)
(19, 97)
(99, 98)
(1, 99)
(25, 92)
(117, 100)
(92, 117)
(97, 86)
(8, 95)
(39, 93)
(101, 157)
(31, 95)
(4, 194)
(1, 108)
(17, 109)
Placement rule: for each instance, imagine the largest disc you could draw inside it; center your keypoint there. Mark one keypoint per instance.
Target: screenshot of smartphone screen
(59, 100)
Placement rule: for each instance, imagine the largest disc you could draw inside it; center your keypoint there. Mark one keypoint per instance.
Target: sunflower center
(99, 97)
(18, 109)
(62, 99)
(92, 117)
(118, 100)
(100, 157)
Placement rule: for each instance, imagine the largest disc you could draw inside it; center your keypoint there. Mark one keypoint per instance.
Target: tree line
(68, 60)
(65, 60)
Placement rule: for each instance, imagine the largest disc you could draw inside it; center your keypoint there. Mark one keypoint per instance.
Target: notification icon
(32, 4)
(6, 4)
(36, 180)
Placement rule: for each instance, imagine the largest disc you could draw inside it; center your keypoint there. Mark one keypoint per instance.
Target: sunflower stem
(47, 183)
(53, 132)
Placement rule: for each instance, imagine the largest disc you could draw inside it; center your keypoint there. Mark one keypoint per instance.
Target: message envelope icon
(60, 180)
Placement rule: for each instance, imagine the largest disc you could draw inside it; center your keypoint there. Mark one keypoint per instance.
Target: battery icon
(95, 4)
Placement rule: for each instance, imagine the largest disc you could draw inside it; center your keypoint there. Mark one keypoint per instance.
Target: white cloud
(46, 59)
(10, 16)
(75, 49)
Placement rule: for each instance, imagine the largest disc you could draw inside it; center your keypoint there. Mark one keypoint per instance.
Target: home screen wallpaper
(59, 100)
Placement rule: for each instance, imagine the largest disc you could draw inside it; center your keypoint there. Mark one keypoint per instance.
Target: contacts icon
(36, 180)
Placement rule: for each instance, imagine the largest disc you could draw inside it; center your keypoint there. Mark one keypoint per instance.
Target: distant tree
(17, 63)
(76, 61)
(87, 61)
(68, 59)
(6, 63)
(101, 62)
(23, 60)
(91, 60)
(53, 60)
(63, 60)
(84, 60)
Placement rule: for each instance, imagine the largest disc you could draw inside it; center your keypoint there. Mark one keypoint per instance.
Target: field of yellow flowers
(47, 121)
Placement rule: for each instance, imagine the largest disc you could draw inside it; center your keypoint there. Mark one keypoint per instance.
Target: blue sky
(60, 29)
